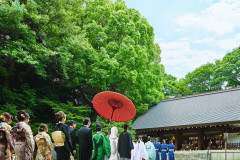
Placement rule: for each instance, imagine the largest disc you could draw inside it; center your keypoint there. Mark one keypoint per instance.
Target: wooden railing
(233, 145)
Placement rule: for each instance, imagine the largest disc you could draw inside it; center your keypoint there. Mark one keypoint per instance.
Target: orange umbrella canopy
(114, 106)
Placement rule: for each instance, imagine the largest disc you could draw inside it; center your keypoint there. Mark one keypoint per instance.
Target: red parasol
(114, 106)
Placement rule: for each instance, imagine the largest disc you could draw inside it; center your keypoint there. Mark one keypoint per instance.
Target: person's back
(101, 145)
(150, 149)
(24, 144)
(113, 143)
(44, 143)
(157, 149)
(85, 141)
(140, 151)
(125, 144)
(72, 126)
(164, 150)
(171, 149)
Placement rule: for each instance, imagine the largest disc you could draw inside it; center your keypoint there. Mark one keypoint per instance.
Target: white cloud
(220, 18)
(209, 1)
(179, 57)
(179, 30)
(227, 44)
(157, 40)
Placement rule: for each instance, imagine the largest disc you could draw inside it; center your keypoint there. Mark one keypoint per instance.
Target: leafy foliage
(56, 55)
(222, 74)
(228, 70)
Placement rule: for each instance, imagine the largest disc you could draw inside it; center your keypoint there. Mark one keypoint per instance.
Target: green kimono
(101, 146)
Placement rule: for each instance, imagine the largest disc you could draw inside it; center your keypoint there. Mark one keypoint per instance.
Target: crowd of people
(18, 142)
(151, 151)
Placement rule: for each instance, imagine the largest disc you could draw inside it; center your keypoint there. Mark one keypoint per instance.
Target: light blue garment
(150, 150)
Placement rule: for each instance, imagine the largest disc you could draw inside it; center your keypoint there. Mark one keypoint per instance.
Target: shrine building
(196, 122)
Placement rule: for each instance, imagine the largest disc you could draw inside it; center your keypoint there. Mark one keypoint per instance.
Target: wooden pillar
(219, 142)
(178, 140)
(227, 130)
(200, 139)
(161, 136)
(155, 134)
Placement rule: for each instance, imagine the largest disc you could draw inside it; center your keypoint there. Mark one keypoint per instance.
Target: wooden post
(178, 140)
(200, 139)
(161, 136)
(219, 142)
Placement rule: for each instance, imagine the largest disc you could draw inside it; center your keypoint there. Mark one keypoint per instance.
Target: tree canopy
(56, 55)
(222, 74)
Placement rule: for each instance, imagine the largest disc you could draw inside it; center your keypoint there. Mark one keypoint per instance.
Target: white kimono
(113, 143)
(132, 151)
(139, 151)
(150, 150)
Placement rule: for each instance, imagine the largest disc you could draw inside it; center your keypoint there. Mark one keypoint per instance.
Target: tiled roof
(206, 108)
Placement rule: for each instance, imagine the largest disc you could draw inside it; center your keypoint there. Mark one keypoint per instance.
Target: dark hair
(22, 115)
(125, 126)
(86, 120)
(60, 115)
(149, 138)
(71, 122)
(98, 129)
(42, 127)
(4, 116)
(106, 133)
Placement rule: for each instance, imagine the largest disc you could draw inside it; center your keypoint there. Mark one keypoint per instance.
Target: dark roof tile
(205, 108)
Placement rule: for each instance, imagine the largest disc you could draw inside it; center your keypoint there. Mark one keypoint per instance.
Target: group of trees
(220, 75)
(57, 55)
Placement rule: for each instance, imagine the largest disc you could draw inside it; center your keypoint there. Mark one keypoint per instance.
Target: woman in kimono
(24, 145)
(140, 151)
(113, 143)
(44, 143)
(5, 146)
(63, 152)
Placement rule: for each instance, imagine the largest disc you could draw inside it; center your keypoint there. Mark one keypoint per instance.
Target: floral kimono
(45, 146)
(24, 147)
(5, 152)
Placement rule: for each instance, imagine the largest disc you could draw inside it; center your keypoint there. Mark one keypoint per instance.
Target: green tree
(57, 55)
(222, 74)
(227, 72)
(170, 85)
(198, 81)
(115, 51)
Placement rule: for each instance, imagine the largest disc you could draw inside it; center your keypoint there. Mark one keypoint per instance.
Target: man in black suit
(125, 144)
(72, 132)
(85, 140)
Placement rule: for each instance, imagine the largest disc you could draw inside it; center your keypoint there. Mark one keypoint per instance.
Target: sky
(191, 33)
